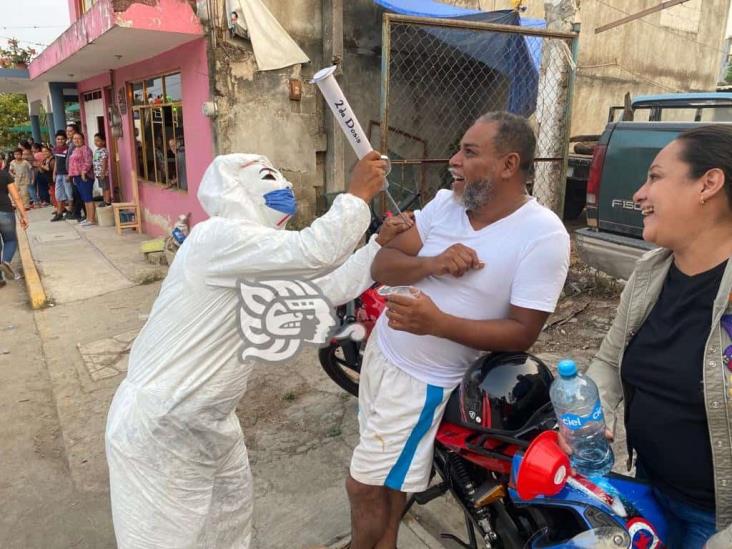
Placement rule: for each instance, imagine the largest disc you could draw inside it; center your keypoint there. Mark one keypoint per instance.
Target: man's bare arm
(398, 262)
(421, 316)
(518, 332)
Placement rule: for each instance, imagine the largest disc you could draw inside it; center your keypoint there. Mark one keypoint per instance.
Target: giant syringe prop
(336, 100)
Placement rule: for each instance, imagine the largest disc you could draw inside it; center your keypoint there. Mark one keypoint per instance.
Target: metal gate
(439, 75)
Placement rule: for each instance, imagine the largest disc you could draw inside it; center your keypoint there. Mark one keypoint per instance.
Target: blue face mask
(281, 200)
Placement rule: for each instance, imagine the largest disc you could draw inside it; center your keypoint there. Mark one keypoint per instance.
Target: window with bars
(157, 116)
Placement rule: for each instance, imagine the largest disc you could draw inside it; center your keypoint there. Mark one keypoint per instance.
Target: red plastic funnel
(544, 468)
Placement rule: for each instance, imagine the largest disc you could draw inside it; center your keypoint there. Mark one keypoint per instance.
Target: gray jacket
(636, 302)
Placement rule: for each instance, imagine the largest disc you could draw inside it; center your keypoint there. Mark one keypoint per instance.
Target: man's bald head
(513, 135)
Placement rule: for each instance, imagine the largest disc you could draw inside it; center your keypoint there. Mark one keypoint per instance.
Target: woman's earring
(701, 200)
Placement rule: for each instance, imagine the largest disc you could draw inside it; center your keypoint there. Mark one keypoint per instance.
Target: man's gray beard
(477, 194)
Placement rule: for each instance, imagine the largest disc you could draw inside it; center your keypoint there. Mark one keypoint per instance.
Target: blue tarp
(424, 8)
(516, 57)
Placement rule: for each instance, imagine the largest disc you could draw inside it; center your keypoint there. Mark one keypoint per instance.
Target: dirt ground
(583, 315)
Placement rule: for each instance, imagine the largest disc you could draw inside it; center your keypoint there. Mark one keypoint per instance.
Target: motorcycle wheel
(342, 366)
(506, 529)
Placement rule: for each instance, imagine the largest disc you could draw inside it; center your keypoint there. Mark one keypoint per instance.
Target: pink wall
(190, 59)
(164, 16)
(74, 10)
(82, 31)
(95, 83)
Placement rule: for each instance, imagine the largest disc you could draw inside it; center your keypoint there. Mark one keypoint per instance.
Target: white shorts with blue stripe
(398, 417)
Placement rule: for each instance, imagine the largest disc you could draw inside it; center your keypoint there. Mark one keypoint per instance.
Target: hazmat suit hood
(247, 187)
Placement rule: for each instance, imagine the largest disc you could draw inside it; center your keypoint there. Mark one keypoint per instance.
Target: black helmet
(500, 392)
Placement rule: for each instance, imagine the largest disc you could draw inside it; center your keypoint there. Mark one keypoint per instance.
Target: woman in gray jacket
(667, 354)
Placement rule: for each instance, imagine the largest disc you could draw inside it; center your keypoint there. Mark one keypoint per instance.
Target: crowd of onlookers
(65, 175)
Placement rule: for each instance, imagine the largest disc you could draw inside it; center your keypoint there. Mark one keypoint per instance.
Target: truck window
(642, 115)
(720, 114)
(679, 115)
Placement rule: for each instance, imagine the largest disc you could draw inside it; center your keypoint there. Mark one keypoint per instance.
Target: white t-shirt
(526, 257)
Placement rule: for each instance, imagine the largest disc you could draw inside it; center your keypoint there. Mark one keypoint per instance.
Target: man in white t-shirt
(490, 263)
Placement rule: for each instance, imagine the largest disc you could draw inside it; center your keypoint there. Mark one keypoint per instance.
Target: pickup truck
(612, 240)
(579, 160)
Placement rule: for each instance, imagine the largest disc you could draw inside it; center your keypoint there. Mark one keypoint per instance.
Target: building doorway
(93, 116)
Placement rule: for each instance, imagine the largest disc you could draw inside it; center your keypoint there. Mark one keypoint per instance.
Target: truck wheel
(574, 203)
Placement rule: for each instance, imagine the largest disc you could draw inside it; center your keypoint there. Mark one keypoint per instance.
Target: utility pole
(552, 107)
(333, 55)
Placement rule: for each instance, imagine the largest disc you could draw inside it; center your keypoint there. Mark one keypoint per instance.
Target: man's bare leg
(397, 501)
(369, 513)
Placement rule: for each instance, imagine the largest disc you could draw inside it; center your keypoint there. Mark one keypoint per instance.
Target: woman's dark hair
(706, 148)
(36, 146)
(61, 133)
(100, 136)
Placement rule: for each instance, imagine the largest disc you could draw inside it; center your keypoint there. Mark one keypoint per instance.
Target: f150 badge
(625, 204)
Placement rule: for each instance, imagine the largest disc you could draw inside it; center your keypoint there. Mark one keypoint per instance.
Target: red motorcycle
(495, 453)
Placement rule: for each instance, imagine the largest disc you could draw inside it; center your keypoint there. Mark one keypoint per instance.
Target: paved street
(43, 505)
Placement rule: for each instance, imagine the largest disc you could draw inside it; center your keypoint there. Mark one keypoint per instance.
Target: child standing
(39, 181)
(43, 178)
(101, 167)
(20, 169)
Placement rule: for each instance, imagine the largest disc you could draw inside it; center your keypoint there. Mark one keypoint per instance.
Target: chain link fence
(439, 76)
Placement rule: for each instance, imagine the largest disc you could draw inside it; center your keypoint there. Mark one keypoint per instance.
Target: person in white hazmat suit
(178, 468)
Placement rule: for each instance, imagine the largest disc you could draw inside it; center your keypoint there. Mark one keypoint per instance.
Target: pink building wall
(161, 207)
(74, 10)
(163, 16)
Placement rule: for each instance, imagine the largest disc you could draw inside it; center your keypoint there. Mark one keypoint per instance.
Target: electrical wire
(586, 68)
(33, 27)
(24, 41)
(661, 28)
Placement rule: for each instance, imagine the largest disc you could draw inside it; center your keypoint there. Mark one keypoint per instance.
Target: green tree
(13, 112)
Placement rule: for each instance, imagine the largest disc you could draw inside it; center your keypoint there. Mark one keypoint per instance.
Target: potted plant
(15, 56)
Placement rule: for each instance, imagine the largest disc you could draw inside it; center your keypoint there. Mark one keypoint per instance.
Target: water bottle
(180, 230)
(576, 402)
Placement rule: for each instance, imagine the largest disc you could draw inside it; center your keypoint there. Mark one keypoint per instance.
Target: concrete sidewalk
(299, 426)
(77, 263)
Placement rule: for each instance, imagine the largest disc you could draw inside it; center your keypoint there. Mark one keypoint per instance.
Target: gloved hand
(367, 177)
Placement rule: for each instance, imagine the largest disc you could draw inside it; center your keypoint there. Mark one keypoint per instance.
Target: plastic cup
(407, 291)
(336, 100)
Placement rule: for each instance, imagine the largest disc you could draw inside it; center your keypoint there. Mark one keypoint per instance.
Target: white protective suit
(179, 474)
